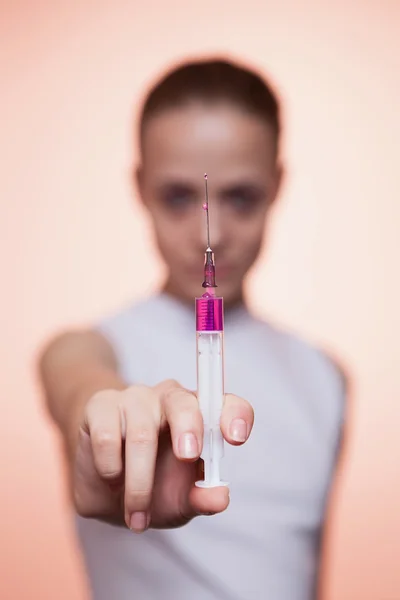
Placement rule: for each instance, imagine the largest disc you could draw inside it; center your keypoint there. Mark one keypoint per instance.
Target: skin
(237, 150)
(133, 451)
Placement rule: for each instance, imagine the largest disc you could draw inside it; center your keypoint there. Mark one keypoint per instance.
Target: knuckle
(171, 384)
(143, 436)
(170, 395)
(137, 389)
(103, 396)
(167, 389)
(237, 402)
(138, 494)
(83, 510)
(138, 499)
(189, 414)
(138, 395)
(181, 404)
(99, 401)
(108, 471)
(104, 440)
(176, 394)
(81, 506)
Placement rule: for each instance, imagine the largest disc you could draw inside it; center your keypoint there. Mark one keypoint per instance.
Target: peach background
(70, 72)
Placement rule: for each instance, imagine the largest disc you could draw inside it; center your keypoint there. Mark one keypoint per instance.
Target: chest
(285, 466)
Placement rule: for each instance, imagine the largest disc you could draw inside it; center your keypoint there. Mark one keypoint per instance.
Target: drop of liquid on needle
(205, 206)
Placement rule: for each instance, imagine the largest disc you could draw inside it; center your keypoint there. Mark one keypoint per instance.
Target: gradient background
(70, 241)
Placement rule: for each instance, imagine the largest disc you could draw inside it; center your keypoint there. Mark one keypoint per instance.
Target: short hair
(210, 81)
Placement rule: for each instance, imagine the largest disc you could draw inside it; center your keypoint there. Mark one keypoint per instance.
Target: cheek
(249, 239)
(164, 234)
(172, 238)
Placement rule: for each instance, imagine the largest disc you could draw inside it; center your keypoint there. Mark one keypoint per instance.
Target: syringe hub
(209, 270)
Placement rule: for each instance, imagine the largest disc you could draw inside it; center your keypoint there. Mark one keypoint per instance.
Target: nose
(215, 225)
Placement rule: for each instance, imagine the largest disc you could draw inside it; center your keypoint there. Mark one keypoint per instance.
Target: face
(237, 152)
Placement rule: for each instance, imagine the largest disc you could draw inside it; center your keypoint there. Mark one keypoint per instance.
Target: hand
(137, 456)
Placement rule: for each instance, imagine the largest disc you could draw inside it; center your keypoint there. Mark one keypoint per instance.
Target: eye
(177, 198)
(244, 199)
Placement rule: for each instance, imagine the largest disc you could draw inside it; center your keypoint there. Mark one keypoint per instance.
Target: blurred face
(236, 150)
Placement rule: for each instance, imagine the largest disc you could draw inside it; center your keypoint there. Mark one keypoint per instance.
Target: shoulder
(318, 376)
(303, 356)
(127, 330)
(122, 322)
(121, 327)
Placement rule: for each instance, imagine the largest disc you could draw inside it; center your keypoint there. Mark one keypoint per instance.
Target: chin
(231, 292)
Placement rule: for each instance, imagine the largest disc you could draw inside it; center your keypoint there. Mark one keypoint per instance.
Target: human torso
(266, 544)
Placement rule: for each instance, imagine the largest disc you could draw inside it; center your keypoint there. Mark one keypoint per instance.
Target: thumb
(206, 501)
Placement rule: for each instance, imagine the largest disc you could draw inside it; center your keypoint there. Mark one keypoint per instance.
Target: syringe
(210, 365)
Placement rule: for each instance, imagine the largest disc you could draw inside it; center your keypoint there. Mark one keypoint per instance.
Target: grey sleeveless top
(266, 545)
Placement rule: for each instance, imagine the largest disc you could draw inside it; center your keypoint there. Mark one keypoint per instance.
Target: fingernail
(187, 446)
(238, 430)
(138, 522)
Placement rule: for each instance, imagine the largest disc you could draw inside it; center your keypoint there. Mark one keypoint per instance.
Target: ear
(280, 174)
(137, 180)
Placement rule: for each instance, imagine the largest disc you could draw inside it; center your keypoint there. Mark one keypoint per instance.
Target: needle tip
(205, 175)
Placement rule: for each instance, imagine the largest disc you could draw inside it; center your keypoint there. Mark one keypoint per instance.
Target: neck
(172, 290)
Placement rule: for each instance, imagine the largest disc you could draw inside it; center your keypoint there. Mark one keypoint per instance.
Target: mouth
(222, 272)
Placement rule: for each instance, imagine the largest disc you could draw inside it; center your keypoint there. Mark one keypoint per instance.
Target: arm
(132, 451)
(340, 457)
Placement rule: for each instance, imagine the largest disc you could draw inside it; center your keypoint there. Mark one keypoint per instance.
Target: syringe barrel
(210, 382)
(210, 376)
